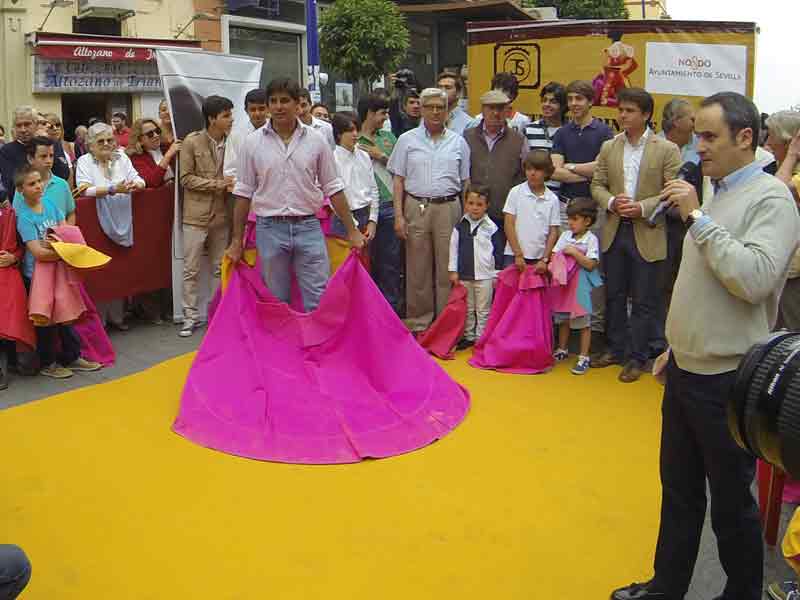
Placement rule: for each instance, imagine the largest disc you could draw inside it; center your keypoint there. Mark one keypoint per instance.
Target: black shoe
(639, 591)
(464, 344)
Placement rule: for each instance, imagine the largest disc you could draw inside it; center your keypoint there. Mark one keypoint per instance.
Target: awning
(67, 46)
(470, 10)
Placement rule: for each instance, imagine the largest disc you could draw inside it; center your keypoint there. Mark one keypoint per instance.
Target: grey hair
(784, 124)
(428, 93)
(674, 110)
(24, 111)
(81, 130)
(95, 130)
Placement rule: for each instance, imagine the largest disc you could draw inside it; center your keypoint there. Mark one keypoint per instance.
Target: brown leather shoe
(631, 372)
(605, 360)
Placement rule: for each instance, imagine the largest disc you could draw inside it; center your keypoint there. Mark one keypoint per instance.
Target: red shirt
(148, 170)
(122, 136)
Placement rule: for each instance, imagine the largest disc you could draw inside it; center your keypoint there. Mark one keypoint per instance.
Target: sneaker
(464, 344)
(786, 590)
(583, 365)
(56, 371)
(187, 329)
(84, 366)
(560, 355)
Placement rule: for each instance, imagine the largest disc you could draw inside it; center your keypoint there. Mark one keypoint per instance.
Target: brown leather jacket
(201, 172)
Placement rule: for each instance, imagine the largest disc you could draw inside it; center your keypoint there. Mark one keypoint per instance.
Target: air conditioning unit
(543, 13)
(113, 9)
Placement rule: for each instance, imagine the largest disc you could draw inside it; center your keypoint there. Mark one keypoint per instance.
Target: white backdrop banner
(696, 69)
(188, 76)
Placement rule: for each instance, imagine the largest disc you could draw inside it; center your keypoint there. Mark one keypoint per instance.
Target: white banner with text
(695, 69)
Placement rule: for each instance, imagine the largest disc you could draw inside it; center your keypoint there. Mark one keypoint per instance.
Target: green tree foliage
(586, 9)
(363, 39)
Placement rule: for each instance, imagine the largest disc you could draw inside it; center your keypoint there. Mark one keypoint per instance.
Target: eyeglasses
(106, 141)
(152, 133)
(434, 107)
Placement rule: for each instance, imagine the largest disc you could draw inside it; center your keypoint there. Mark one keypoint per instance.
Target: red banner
(144, 267)
(96, 53)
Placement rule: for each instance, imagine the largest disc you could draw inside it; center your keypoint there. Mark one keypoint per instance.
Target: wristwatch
(693, 216)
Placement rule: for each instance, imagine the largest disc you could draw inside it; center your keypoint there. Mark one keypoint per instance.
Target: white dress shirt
(483, 249)
(325, 129)
(233, 147)
(283, 180)
(535, 216)
(431, 167)
(631, 164)
(355, 169)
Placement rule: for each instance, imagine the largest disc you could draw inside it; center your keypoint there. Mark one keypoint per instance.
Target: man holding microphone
(735, 261)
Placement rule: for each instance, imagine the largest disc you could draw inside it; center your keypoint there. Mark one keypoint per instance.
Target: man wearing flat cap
(496, 155)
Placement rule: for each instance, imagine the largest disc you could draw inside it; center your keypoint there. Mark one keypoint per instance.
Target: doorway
(77, 109)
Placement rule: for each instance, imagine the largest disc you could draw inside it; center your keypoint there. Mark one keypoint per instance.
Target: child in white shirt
(581, 244)
(531, 215)
(472, 262)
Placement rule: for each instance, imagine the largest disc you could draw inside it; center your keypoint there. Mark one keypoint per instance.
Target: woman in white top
(355, 169)
(107, 174)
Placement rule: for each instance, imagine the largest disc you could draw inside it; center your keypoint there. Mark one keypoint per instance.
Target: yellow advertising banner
(688, 59)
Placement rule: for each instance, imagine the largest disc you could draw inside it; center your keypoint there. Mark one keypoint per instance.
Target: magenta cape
(518, 337)
(337, 385)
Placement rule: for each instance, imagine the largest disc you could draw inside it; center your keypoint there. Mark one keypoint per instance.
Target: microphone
(688, 172)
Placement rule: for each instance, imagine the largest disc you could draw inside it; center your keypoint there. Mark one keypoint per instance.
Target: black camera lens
(764, 408)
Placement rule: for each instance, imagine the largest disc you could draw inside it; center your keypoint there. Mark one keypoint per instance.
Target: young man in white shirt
(306, 118)
(355, 169)
(255, 105)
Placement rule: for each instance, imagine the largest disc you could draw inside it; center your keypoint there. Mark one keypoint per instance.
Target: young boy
(472, 261)
(34, 218)
(531, 216)
(582, 245)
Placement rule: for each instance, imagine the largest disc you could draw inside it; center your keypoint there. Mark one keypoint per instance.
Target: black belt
(435, 199)
(291, 218)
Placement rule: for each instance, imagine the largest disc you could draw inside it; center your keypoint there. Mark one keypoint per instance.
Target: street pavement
(147, 345)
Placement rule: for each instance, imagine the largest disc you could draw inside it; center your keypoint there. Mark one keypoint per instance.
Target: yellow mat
(549, 489)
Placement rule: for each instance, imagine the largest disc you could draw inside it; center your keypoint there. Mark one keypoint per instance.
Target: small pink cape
(446, 330)
(340, 384)
(519, 333)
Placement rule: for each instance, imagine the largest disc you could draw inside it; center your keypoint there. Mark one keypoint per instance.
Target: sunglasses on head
(152, 133)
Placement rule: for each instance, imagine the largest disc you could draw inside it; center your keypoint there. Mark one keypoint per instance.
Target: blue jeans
(15, 571)
(387, 259)
(293, 246)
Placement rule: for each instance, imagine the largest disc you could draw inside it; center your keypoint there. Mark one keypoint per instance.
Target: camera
(764, 408)
(404, 79)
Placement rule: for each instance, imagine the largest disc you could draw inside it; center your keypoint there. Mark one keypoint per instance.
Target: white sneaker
(187, 329)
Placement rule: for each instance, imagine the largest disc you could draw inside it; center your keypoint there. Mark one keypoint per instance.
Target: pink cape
(446, 330)
(519, 333)
(95, 343)
(337, 385)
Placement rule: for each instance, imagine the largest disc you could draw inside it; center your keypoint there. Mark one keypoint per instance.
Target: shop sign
(93, 76)
(96, 53)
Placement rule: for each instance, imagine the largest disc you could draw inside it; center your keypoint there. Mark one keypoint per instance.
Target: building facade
(647, 9)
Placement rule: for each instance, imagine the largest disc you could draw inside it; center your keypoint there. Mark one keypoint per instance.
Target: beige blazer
(200, 170)
(660, 163)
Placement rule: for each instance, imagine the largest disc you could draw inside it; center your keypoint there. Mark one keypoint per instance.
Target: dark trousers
(629, 275)
(15, 571)
(387, 259)
(696, 445)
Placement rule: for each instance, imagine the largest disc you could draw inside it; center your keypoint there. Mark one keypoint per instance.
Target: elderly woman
(783, 140)
(108, 175)
(80, 141)
(146, 156)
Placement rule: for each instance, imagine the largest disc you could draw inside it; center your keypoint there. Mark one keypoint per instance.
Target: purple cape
(342, 383)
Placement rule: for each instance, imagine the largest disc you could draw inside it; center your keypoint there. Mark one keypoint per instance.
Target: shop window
(281, 51)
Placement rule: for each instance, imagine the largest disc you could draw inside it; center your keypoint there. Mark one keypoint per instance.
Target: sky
(777, 46)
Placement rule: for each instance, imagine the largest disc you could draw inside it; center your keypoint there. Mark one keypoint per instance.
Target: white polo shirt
(588, 244)
(535, 215)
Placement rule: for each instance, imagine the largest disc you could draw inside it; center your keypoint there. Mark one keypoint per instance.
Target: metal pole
(312, 48)
(644, 10)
